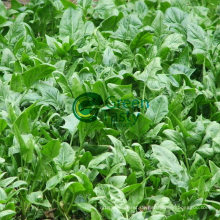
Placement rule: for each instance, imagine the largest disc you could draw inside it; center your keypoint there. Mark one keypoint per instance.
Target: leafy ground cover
(166, 165)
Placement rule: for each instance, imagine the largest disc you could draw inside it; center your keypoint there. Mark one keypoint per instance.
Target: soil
(8, 2)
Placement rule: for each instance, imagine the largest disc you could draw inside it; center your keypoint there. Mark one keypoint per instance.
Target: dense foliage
(166, 165)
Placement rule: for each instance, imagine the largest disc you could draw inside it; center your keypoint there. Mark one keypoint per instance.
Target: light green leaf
(150, 70)
(17, 31)
(174, 19)
(66, 156)
(173, 42)
(119, 91)
(141, 125)
(7, 214)
(134, 160)
(51, 150)
(7, 57)
(36, 73)
(6, 182)
(53, 181)
(162, 205)
(3, 125)
(158, 108)
(73, 188)
(128, 27)
(95, 215)
(71, 123)
(109, 59)
(137, 196)
(111, 196)
(197, 37)
(141, 39)
(94, 163)
(168, 163)
(26, 145)
(111, 23)
(176, 137)
(53, 44)
(67, 4)
(71, 24)
(36, 198)
(137, 216)
(105, 9)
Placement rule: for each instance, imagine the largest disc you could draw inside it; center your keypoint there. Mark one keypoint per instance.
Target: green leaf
(173, 42)
(115, 214)
(71, 24)
(36, 73)
(176, 137)
(23, 121)
(141, 39)
(158, 109)
(105, 9)
(15, 4)
(150, 70)
(111, 196)
(6, 182)
(3, 10)
(158, 24)
(86, 4)
(128, 27)
(109, 59)
(7, 58)
(214, 169)
(83, 178)
(7, 214)
(71, 123)
(3, 125)
(19, 183)
(67, 4)
(198, 161)
(54, 45)
(141, 125)
(197, 37)
(2, 160)
(119, 91)
(111, 23)
(95, 215)
(50, 96)
(17, 83)
(66, 156)
(95, 162)
(168, 163)
(51, 150)
(134, 160)
(26, 145)
(53, 181)
(162, 205)
(180, 69)
(174, 19)
(17, 31)
(73, 188)
(137, 216)
(36, 198)
(117, 181)
(88, 129)
(137, 196)
(3, 195)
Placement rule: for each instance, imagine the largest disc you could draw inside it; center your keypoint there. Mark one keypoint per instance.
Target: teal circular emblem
(86, 106)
